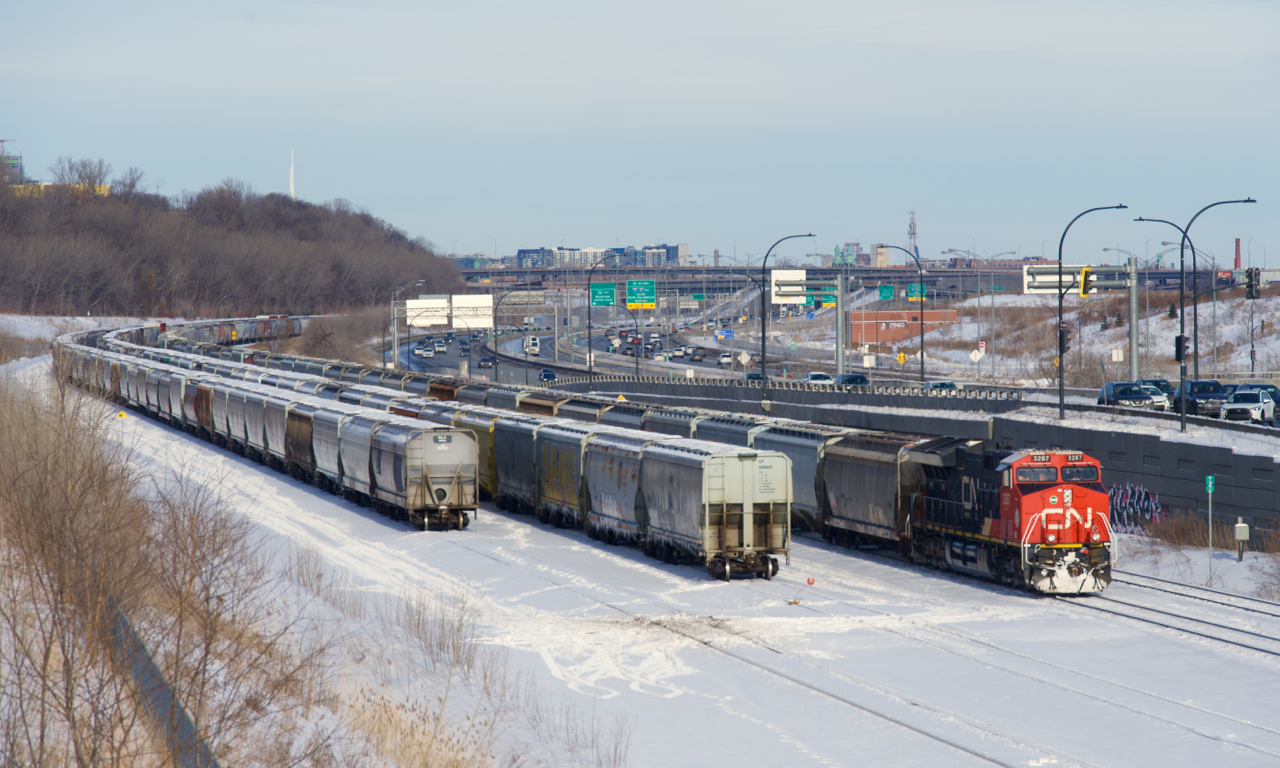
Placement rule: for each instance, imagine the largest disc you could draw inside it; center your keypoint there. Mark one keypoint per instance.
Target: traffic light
(1086, 281)
(1252, 283)
(1182, 348)
(1064, 340)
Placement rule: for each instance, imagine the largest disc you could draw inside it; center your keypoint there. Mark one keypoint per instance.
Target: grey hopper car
(513, 454)
(611, 478)
(427, 474)
(725, 507)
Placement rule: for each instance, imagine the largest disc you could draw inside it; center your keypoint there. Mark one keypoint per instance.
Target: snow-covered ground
(48, 328)
(877, 663)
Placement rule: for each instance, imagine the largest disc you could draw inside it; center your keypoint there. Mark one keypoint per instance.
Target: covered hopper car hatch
(1028, 519)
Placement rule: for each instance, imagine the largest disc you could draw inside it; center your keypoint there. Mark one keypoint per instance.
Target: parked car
(818, 377)
(1162, 402)
(1250, 405)
(1204, 398)
(487, 361)
(1127, 393)
(853, 380)
(546, 374)
(1160, 384)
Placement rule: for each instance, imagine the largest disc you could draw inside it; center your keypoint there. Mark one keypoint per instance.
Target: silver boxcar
(726, 507)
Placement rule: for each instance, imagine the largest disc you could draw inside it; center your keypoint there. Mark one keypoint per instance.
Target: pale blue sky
(595, 124)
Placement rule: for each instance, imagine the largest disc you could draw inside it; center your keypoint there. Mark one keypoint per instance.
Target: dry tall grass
(460, 706)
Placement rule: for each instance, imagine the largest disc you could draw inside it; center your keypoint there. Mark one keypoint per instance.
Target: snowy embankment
(878, 662)
(48, 328)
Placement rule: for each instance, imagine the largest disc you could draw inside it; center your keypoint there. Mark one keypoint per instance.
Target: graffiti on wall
(1133, 508)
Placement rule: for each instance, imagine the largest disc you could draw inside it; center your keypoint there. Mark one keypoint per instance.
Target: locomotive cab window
(1037, 474)
(1079, 474)
(1006, 478)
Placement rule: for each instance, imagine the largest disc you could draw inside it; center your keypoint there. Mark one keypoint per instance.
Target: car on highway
(1270, 389)
(1126, 393)
(1249, 405)
(853, 380)
(487, 361)
(726, 358)
(750, 376)
(629, 351)
(677, 352)
(942, 385)
(1162, 402)
(1161, 384)
(546, 374)
(696, 356)
(427, 352)
(440, 347)
(1204, 398)
(419, 352)
(818, 377)
(449, 337)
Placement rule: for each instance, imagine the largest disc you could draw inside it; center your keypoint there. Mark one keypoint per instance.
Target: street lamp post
(992, 318)
(1062, 364)
(634, 341)
(1183, 243)
(497, 335)
(764, 315)
(920, 270)
(395, 328)
(591, 356)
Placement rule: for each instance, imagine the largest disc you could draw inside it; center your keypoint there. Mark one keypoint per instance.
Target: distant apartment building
(629, 256)
(11, 169)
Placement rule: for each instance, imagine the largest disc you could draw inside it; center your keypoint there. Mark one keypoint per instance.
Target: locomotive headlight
(1053, 537)
(1097, 537)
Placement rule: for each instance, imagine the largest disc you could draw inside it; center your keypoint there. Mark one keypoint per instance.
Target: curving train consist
(424, 475)
(672, 479)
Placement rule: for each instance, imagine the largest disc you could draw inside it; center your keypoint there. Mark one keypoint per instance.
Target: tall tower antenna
(911, 235)
(292, 196)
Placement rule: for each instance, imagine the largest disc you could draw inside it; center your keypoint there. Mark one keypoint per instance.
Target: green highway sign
(1208, 483)
(886, 292)
(997, 287)
(642, 294)
(828, 300)
(603, 294)
(915, 292)
(699, 296)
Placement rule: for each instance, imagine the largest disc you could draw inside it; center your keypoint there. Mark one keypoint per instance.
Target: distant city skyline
(509, 125)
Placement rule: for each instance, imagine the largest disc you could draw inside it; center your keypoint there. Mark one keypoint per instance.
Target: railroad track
(1215, 596)
(1235, 620)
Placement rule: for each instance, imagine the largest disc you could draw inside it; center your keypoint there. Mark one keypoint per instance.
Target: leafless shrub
(71, 536)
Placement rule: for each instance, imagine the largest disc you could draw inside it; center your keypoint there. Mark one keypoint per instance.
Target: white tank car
(726, 507)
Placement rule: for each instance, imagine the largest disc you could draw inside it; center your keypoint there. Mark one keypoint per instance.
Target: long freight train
(724, 507)
(1034, 519)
